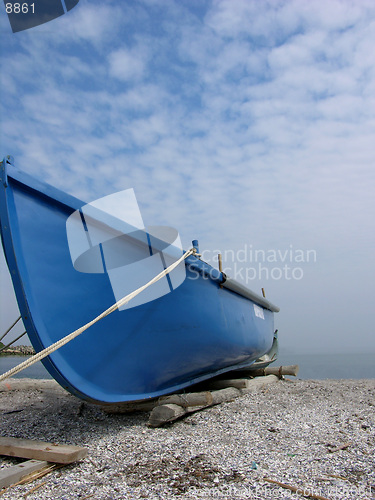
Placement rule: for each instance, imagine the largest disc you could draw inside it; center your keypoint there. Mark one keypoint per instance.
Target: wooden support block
(270, 370)
(338, 448)
(192, 401)
(40, 450)
(169, 412)
(163, 414)
(259, 383)
(188, 399)
(15, 473)
(225, 395)
(199, 399)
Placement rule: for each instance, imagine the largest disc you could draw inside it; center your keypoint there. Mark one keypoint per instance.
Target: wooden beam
(270, 370)
(40, 450)
(300, 490)
(191, 399)
(15, 473)
(245, 385)
(259, 383)
(168, 412)
(163, 414)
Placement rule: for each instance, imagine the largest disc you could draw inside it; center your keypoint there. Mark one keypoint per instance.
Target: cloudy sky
(248, 125)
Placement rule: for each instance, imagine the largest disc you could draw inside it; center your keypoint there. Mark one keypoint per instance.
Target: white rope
(48, 350)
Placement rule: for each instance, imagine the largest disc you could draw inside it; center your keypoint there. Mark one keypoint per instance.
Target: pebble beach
(315, 436)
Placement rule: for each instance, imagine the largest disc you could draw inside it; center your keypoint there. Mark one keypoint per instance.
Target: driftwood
(245, 385)
(189, 400)
(164, 414)
(167, 412)
(271, 370)
(338, 448)
(299, 490)
(259, 382)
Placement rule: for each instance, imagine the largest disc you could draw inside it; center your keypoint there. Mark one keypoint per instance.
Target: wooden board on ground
(40, 450)
(15, 473)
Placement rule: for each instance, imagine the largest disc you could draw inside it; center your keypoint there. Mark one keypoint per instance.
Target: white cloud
(92, 22)
(273, 20)
(127, 65)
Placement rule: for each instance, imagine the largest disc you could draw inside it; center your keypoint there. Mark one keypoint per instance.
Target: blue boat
(208, 325)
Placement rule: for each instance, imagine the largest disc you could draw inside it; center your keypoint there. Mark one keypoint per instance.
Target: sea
(311, 366)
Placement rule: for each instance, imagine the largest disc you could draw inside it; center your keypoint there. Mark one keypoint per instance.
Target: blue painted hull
(196, 332)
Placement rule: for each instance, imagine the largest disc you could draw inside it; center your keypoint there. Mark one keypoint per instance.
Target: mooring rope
(13, 341)
(9, 329)
(48, 350)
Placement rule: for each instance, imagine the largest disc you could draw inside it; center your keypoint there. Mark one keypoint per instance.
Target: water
(312, 366)
(331, 366)
(34, 371)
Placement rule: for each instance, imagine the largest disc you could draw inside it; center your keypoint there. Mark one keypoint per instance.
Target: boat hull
(198, 331)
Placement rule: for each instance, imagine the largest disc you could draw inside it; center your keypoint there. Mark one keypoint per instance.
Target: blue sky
(244, 124)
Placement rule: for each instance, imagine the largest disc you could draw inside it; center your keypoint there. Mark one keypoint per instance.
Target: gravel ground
(285, 432)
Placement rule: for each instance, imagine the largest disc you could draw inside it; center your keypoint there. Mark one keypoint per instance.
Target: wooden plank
(40, 450)
(15, 473)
